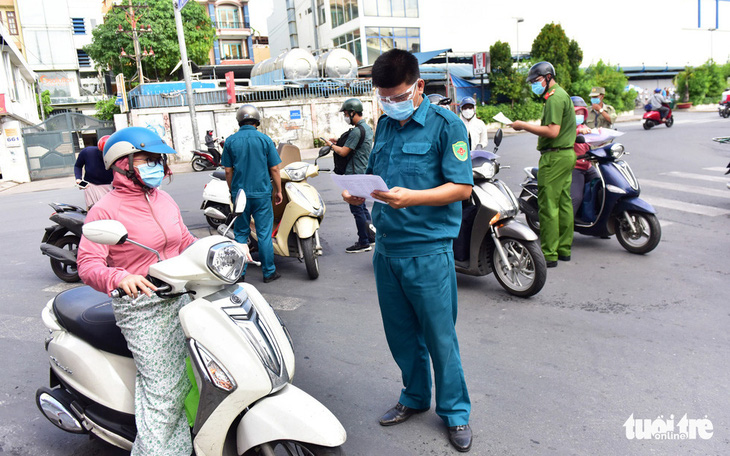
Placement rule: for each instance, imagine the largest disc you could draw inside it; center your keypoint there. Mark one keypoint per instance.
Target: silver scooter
(240, 351)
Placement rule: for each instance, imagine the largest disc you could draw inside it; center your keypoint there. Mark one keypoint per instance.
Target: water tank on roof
(337, 63)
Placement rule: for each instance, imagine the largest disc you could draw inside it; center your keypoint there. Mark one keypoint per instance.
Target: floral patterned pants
(157, 342)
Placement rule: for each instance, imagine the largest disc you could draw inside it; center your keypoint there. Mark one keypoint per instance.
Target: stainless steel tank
(337, 63)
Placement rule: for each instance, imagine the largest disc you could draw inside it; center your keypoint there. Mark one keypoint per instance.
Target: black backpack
(340, 161)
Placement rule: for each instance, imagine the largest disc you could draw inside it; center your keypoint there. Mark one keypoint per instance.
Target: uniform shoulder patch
(461, 150)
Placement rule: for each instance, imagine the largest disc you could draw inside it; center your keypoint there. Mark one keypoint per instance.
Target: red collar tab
(549, 94)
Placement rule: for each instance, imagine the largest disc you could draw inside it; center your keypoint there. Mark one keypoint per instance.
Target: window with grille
(78, 25)
(12, 23)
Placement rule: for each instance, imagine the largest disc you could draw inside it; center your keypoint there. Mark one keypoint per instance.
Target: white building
(620, 32)
(54, 32)
(17, 109)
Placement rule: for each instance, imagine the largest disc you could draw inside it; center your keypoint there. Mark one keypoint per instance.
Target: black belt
(554, 149)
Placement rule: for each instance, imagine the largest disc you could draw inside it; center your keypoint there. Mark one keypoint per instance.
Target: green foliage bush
(608, 77)
(105, 109)
(702, 84)
(524, 110)
(47, 107)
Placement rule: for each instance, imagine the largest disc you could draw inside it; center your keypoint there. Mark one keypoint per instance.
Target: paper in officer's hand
(361, 185)
(501, 118)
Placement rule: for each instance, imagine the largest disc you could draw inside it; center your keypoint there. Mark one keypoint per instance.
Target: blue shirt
(430, 150)
(250, 153)
(91, 162)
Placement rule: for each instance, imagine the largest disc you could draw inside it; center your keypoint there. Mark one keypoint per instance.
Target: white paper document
(361, 185)
(501, 118)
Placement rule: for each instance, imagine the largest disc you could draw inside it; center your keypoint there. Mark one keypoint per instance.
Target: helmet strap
(131, 175)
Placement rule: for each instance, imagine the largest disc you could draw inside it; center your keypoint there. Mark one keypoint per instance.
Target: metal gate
(51, 146)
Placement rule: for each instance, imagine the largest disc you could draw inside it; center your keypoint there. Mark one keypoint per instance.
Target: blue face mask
(152, 175)
(398, 111)
(537, 88)
(579, 119)
(595, 100)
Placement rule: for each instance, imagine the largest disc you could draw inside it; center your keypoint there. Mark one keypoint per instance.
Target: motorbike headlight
(226, 261)
(296, 173)
(617, 150)
(486, 170)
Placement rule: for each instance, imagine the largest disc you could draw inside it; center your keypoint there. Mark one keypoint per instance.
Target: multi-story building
(54, 34)
(17, 108)
(234, 42)
(9, 18)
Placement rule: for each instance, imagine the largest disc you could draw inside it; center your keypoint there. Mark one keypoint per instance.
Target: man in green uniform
(602, 114)
(421, 153)
(251, 164)
(357, 149)
(556, 136)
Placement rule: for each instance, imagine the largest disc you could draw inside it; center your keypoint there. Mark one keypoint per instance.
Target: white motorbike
(240, 351)
(296, 219)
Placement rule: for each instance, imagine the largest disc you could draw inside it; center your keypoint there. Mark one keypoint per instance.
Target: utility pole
(178, 4)
(133, 21)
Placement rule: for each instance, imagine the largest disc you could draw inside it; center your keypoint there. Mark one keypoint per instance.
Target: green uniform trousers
(418, 303)
(556, 206)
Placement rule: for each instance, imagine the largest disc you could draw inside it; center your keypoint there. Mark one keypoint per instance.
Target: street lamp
(517, 32)
(711, 44)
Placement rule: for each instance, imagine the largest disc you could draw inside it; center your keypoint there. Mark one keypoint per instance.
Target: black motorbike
(61, 241)
(724, 109)
(491, 239)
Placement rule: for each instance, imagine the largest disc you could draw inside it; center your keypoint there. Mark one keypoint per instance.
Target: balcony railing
(231, 25)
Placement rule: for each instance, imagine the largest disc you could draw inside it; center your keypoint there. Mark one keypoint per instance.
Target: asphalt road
(610, 336)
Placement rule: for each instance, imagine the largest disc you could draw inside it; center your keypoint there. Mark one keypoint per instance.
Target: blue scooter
(611, 203)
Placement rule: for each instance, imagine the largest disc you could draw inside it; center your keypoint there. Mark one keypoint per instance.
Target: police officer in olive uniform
(251, 163)
(602, 114)
(556, 136)
(421, 153)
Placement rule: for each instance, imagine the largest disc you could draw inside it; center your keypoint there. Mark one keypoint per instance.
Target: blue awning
(424, 57)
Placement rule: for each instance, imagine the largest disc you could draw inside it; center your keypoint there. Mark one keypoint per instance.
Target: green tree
(608, 77)
(107, 42)
(47, 107)
(505, 81)
(105, 109)
(702, 84)
(553, 45)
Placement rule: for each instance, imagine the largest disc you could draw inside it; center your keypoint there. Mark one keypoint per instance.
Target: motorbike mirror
(214, 213)
(580, 139)
(240, 203)
(498, 138)
(324, 151)
(107, 232)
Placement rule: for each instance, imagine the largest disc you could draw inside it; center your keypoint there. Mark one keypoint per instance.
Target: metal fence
(301, 90)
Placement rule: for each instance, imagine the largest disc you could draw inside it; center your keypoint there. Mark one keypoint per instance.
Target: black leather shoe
(272, 277)
(551, 264)
(564, 257)
(399, 414)
(460, 437)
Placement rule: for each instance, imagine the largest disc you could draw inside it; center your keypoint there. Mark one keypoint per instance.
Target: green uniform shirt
(558, 110)
(359, 161)
(250, 153)
(596, 120)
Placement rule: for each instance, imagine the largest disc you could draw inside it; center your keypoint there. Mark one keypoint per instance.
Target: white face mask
(348, 120)
(467, 113)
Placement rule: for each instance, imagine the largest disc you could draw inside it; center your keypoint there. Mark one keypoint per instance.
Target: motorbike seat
(219, 174)
(88, 314)
(534, 171)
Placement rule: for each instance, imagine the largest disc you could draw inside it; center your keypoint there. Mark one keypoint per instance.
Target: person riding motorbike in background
(98, 179)
(478, 138)
(148, 322)
(440, 100)
(212, 149)
(656, 101)
(583, 171)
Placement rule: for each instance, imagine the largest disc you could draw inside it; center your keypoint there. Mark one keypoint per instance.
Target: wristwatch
(601, 110)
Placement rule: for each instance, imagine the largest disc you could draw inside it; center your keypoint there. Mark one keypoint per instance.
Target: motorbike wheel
(648, 237)
(529, 270)
(669, 122)
(311, 261)
(214, 222)
(533, 221)
(66, 272)
(199, 164)
(292, 447)
(647, 125)
(725, 113)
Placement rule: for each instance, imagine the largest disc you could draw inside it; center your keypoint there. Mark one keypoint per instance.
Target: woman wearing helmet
(150, 324)
(96, 180)
(478, 138)
(583, 171)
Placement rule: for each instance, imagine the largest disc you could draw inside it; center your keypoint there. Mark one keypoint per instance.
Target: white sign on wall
(12, 137)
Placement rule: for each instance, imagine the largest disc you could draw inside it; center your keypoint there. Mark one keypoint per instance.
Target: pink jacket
(152, 219)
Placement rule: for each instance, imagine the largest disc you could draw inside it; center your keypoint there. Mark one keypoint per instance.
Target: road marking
(717, 169)
(63, 286)
(685, 188)
(685, 207)
(704, 177)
